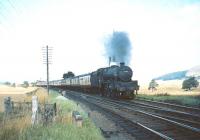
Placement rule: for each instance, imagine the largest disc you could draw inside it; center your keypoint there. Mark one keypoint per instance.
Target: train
(114, 81)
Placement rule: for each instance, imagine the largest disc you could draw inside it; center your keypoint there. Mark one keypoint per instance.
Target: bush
(7, 83)
(25, 84)
(190, 83)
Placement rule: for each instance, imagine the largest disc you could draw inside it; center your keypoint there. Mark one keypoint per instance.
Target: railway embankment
(62, 127)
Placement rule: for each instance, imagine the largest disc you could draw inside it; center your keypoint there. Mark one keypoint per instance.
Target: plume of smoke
(118, 47)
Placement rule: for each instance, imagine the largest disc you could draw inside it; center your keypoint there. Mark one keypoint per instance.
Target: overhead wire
(2, 16)
(13, 6)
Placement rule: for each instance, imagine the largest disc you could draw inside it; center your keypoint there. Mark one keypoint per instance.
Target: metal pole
(47, 70)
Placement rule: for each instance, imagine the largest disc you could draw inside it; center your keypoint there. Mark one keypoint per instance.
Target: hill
(179, 75)
(195, 71)
(173, 76)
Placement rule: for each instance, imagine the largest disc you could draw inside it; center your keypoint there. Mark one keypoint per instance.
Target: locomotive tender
(114, 81)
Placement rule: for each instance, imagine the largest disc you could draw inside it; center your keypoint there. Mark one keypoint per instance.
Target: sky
(164, 36)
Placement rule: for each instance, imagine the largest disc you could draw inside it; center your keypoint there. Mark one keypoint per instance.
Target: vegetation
(60, 131)
(68, 75)
(178, 99)
(7, 83)
(62, 128)
(152, 85)
(25, 84)
(190, 83)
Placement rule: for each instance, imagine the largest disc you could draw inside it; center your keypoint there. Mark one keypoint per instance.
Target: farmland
(16, 93)
(170, 91)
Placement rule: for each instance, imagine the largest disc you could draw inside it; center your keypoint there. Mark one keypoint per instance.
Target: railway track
(181, 108)
(141, 123)
(189, 119)
(137, 130)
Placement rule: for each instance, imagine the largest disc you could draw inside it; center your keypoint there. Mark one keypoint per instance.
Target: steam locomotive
(114, 81)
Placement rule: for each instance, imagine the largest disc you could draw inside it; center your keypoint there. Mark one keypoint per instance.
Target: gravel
(109, 129)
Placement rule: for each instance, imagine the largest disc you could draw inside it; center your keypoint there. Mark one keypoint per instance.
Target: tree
(25, 84)
(7, 83)
(152, 85)
(68, 75)
(190, 83)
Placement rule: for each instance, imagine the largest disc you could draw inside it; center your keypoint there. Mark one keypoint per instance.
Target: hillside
(195, 71)
(173, 76)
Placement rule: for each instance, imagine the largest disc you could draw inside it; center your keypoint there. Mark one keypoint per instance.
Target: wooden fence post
(7, 105)
(34, 109)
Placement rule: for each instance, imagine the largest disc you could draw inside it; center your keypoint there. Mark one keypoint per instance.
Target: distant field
(170, 91)
(16, 93)
(172, 87)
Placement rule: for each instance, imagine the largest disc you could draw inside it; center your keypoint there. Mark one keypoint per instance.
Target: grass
(64, 105)
(62, 128)
(11, 130)
(60, 131)
(41, 94)
(178, 99)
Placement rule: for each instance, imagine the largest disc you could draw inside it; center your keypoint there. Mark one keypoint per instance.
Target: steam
(118, 47)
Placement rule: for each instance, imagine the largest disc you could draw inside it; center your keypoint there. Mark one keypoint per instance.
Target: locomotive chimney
(122, 64)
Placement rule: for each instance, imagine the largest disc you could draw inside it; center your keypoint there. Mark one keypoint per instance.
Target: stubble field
(173, 87)
(171, 91)
(16, 93)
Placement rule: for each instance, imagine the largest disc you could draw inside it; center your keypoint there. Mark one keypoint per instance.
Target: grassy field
(170, 91)
(62, 128)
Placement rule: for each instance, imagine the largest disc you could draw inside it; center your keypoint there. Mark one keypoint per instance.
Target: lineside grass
(11, 129)
(60, 131)
(62, 127)
(177, 99)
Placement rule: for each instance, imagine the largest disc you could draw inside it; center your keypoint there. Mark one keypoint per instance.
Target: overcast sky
(165, 36)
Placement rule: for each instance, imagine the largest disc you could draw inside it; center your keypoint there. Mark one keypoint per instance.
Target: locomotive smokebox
(124, 72)
(122, 64)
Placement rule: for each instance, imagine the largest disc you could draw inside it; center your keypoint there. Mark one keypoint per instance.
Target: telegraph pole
(48, 70)
(46, 60)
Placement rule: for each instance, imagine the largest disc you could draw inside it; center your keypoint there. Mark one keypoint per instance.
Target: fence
(40, 112)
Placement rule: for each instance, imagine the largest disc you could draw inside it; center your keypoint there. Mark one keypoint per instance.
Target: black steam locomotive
(114, 82)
